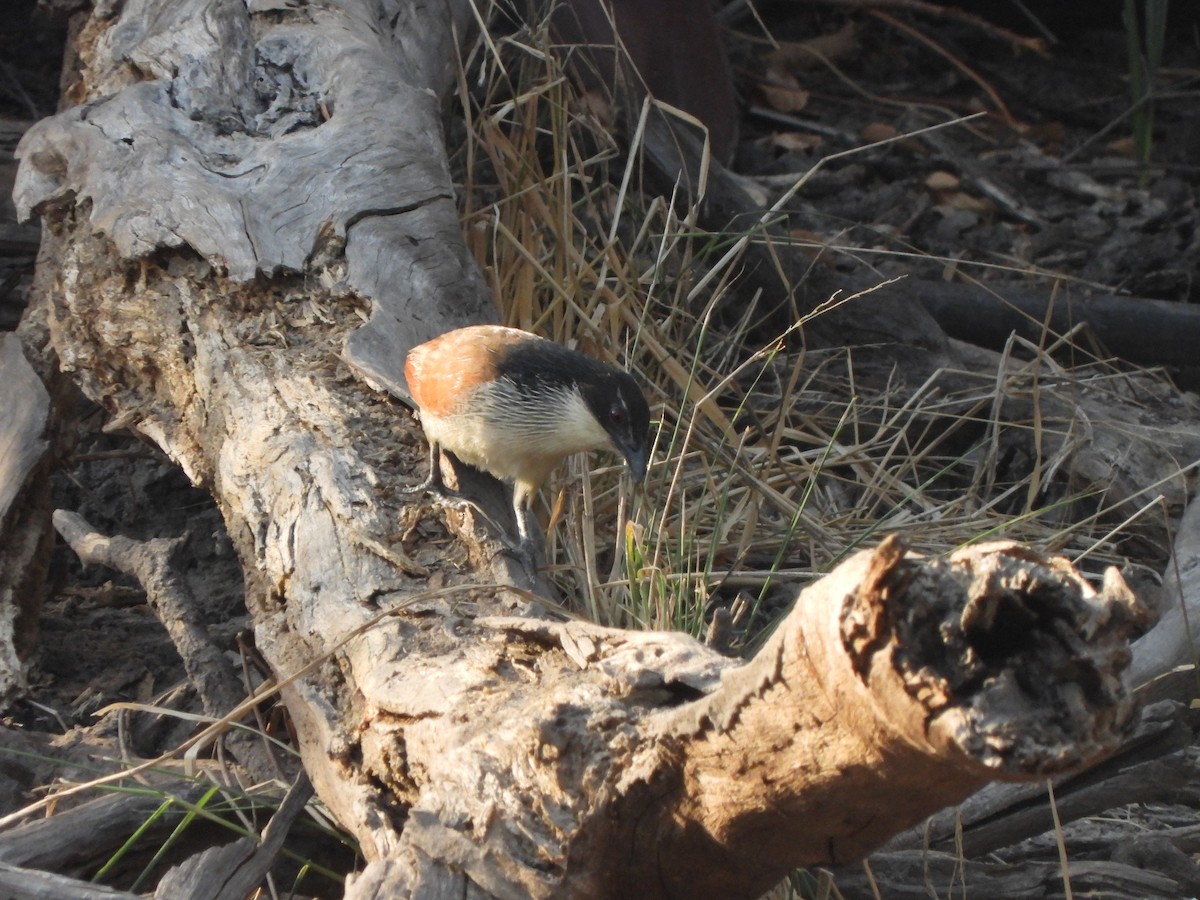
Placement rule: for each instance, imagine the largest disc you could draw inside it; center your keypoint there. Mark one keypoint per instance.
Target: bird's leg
(445, 496)
(524, 548)
(433, 482)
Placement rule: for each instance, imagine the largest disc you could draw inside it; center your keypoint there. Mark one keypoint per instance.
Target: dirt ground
(1045, 183)
(1055, 188)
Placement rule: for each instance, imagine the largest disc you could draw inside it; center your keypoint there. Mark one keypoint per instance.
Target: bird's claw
(523, 552)
(443, 495)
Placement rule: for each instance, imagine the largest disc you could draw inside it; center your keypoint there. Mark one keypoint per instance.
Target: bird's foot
(463, 503)
(522, 549)
(443, 495)
(449, 498)
(428, 486)
(524, 552)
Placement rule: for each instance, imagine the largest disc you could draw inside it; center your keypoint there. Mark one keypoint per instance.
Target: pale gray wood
(84, 833)
(24, 411)
(235, 870)
(227, 151)
(1174, 641)
(29, 884)
(1152, 764)
(24, 415)
(916, 875)
(203, 876)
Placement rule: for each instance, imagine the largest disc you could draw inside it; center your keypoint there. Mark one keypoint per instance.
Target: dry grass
(771, 462)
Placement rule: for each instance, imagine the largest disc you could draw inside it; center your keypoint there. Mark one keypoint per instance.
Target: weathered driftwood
(1153, 764)
(1173, 641)
(1152, 332)
(17, 883)
(318, 140)
(810, 753)
(233, 871)
(153, 564)
(89, 833)
(24, 412)
(917, 875)
(24, 418)
(82, 837)
(473, 744)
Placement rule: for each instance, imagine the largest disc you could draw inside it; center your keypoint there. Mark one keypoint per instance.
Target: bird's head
(619, 406)
(556, 402)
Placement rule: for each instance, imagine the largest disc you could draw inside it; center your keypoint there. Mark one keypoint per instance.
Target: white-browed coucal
(515, 405)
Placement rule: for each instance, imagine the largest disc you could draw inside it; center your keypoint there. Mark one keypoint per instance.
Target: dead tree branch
(152, 564)
(236, 162)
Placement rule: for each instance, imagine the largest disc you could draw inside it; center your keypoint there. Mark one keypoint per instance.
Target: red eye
(616, 415)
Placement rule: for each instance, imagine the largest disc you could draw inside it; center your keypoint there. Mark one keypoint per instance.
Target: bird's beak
(637, 458)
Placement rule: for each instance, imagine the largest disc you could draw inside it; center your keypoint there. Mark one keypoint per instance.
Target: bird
(515, 405)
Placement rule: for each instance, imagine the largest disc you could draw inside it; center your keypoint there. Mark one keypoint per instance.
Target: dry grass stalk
(772, 464)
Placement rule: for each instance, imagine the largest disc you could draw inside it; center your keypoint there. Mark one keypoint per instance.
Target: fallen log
(472, 741)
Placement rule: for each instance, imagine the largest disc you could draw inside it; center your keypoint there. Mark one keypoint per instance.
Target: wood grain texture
(28, 884)
(313, 147)
(24, 418)
(473, 742)
(76, 837)
(24, 413)
(1172, 642)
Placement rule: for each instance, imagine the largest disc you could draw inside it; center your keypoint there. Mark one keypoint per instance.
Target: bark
(917, 875)
(153, 564)
(1172, 642)
(235, 870)
(24, 544)
(242, 184)
(876, 663)
(1151, 332)
(1153, 765)
(75, 838)
(29, 884)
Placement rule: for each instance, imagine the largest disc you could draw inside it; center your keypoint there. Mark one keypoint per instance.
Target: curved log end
(1013, 657)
